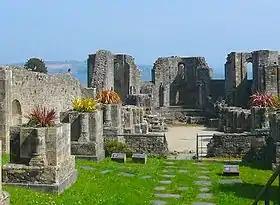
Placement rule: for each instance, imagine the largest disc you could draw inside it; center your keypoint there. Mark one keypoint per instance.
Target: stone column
(107, 115)
(38, 147)
(200, 97)
(84, 127)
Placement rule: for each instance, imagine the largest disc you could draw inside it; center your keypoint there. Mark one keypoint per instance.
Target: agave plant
(40, 116)
(84, 104)
(262, 99)
(108, 97)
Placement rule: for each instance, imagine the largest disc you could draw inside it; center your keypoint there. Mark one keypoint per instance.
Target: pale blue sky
(146, 29)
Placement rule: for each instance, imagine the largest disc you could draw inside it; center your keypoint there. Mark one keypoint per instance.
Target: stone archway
(16, 113)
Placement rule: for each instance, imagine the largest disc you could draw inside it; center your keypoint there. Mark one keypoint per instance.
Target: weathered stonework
(180, 81)
(229, 145)
(49, 165)
(265, 65)
(86, 134)
(113, 71)
(4, 196)
(154, 144)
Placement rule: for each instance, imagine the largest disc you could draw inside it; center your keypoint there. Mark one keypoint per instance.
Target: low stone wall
(223, 145)
(234, 120)
(149, 143)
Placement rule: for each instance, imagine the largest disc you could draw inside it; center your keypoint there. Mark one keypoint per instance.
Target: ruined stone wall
(265, 65)
(22, 90)
(217, 88)
(229, 145)
(175, 80)
(101, 70)
(236, 78)
(148, 143)
(126, 75)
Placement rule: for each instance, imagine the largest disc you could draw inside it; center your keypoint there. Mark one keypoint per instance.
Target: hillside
(79, 69)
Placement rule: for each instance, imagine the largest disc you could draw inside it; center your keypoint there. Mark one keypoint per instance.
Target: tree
(36, 64)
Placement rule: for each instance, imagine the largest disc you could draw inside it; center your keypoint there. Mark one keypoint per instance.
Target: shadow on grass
(249, 191)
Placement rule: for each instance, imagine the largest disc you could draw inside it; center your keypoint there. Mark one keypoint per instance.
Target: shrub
(262, 99)
(36, 64)
(276, 101)
(41, 117)
(108, 97)
(84, 104)
(114, 146)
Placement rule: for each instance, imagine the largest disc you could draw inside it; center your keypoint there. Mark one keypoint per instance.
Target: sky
(145, 29)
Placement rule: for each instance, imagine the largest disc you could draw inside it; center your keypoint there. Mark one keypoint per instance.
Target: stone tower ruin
(113, 71)
(265, 65)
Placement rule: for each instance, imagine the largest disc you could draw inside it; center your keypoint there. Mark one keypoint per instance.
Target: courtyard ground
(183, 138)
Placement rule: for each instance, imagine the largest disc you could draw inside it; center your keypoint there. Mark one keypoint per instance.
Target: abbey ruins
(180, 88)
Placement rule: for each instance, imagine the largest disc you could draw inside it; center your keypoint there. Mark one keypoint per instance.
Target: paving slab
(165, 182)
(147, 177)
(205, 195)
(161, 195)
(203, 177)
(203, 183)
(127, 174)
(105, 171)
(87, 168)
(183, 171)
(204, 171)
(158, 202)
(204, 189)
(230, 181)
(159, 188)
(168, 175)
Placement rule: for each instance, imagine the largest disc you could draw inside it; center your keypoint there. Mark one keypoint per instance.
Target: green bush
(113, 146)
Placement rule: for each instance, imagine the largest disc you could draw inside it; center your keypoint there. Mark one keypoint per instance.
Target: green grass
(94, 188)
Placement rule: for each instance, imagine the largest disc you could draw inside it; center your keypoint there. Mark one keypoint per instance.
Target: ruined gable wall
(265, 71)
(29, 89)
(101, 70)
(127, 76)
(52, 91)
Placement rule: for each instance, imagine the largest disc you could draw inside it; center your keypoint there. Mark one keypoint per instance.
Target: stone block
(118, 157)
(231, 170)
(51, 166)
(139, 158)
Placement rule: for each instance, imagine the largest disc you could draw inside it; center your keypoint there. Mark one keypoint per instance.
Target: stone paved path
(169, 172)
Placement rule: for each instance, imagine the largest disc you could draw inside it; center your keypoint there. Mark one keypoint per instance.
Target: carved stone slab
(118, 157)
(231, 170)
(139, 158)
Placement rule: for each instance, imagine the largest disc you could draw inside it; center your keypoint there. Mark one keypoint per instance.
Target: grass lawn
(94, 188)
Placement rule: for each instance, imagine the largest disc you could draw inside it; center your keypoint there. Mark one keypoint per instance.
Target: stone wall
(265, 65)
(229, 145)
(22, 90)
(176, 81)
(4, 196)
(114, 71)
(101, 70)
(148, 143)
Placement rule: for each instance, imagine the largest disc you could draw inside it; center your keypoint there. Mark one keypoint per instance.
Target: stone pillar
(94, 92)
(116, 115)
(200, 93)
(38, 147)
(84, 127)
(107, 115)
(4, 196)
(5, 107)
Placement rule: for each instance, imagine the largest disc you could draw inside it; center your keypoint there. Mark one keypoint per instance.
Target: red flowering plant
(262, 99)
(40, 116)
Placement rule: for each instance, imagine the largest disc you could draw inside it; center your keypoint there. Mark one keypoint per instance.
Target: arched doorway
(16, 113)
